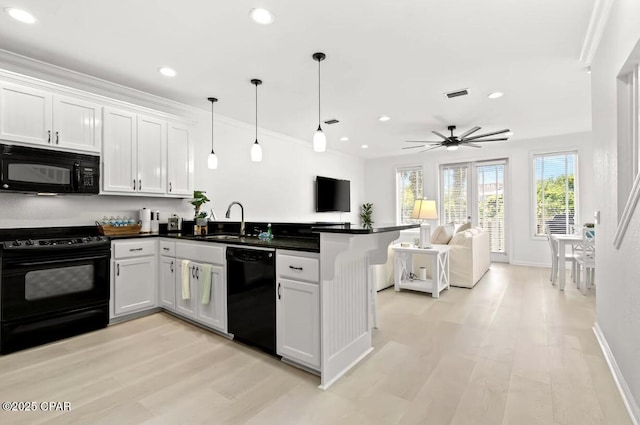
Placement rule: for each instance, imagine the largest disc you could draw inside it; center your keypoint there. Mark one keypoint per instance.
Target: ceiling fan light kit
(452, 143)
(319, 138)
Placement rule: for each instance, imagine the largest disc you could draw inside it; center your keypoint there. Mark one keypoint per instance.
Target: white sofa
(469, 259)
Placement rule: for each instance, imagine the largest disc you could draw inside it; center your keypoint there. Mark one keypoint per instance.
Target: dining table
(563, 240)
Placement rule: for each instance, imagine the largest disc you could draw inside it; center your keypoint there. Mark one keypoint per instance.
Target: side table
(403, 267)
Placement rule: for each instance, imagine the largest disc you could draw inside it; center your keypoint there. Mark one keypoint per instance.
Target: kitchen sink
(221, 237)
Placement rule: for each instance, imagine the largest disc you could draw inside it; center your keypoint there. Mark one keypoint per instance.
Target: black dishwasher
(251, 297)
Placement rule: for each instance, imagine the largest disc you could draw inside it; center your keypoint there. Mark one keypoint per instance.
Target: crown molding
(597, 24)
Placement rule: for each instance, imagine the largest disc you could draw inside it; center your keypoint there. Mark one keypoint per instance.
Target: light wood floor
(513, 350)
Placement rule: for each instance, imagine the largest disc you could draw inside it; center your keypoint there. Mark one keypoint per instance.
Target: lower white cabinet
(167, 288)
(134, 287)
(298, 308)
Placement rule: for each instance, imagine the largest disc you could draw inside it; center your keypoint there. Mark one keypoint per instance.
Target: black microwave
(24, 169)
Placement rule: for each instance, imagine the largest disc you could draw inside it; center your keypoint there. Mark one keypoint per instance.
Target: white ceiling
(384, 57)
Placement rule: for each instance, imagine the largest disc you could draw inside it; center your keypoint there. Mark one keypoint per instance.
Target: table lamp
(425, 209)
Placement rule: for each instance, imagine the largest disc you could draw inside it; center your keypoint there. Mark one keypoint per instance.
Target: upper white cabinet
(134, 153)
(77, 124)
(35, 116)
(180, 162)
(119, 152)
(152, 155)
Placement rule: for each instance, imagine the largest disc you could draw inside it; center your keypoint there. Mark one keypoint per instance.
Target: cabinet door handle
(170, 187)
(117, 269)
(135, 249)
(193, 272)
(165, 248)
(134, 184)
(279, 295)
(172, 267)
(49, 139)
(140, 184)
(197, 272)
(57, 138)
(296, 268)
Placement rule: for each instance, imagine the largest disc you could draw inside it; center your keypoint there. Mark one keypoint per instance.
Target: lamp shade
(425, 209)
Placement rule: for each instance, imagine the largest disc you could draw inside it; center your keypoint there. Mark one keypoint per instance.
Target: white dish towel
(186, 287)
(205, 269)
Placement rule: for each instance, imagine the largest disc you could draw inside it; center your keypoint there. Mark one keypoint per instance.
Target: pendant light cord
(256, 112)
(319, 94)
(212, 126)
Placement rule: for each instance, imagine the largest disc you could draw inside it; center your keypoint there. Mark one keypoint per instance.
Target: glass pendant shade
(212, 161)
(256, 152)
(319, 141)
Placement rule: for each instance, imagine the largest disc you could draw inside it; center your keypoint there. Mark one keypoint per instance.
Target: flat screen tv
(333, 195)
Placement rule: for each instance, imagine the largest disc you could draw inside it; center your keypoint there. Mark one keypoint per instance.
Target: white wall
(618, 297)
(522, 247)
(279, 189)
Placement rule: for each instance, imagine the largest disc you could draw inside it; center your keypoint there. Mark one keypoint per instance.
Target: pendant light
(256, 149)
(212, 160)
(319, 138)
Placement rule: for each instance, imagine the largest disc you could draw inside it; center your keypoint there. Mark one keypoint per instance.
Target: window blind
(409, 184)
(454, 194)
(555, 188)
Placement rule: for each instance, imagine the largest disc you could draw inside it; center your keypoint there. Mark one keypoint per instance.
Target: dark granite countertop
(359, 230)
(292, 243)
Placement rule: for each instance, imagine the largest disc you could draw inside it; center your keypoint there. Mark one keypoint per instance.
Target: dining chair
(586, 259)
(555, 256)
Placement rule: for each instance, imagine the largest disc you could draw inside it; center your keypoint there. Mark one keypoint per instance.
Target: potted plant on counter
(365, 215)
(199, 199)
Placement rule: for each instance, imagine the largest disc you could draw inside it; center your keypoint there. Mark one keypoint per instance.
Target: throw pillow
(465, 226)
(459, 238)
(442, 235)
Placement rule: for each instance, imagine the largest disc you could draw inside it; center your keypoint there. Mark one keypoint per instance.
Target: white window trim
(415, 167)
(532, 187)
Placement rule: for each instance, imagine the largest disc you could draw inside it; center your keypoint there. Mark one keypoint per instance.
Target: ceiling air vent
(457, 93)
(331, 121)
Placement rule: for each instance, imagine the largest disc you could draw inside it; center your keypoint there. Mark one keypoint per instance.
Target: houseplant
(366, 210)
(199, 199)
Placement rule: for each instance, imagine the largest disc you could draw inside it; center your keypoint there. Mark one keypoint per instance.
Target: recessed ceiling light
(384, 118)
(20, 15)
(364, 146)
(496, 94)
(261, 16)
(167, 72)
(344, 139)
(509, 133)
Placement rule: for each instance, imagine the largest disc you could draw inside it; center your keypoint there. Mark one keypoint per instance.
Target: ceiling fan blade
(472, 145)
(421, 141)
(413, 147)
(435, 147)
(493, 133)
(486, 140)
(469, 132)
(441, 135)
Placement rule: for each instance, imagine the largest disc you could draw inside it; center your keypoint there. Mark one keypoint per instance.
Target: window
(454, 195)
(555, 189)
(408, 188)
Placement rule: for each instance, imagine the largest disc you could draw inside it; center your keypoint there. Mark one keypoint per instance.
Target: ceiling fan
(452, 142)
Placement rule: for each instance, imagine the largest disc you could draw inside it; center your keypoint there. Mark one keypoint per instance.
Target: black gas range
(54, 283)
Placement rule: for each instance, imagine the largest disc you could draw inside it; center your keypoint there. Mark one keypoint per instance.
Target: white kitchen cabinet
(119, 153)
(186, 307)
(35, 116)
(25, 114)
(167, 292)
(213, 312)
(134, 287)
(180, 162)
(298, 308)
(77, 124)
(151, 155)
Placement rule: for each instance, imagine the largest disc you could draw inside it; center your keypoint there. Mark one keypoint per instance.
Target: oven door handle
(37, 263)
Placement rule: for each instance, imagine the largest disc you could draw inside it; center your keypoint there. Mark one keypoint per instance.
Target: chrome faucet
(228, 214)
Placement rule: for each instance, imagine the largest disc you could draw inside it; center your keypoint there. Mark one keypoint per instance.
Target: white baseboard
(625, 392)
